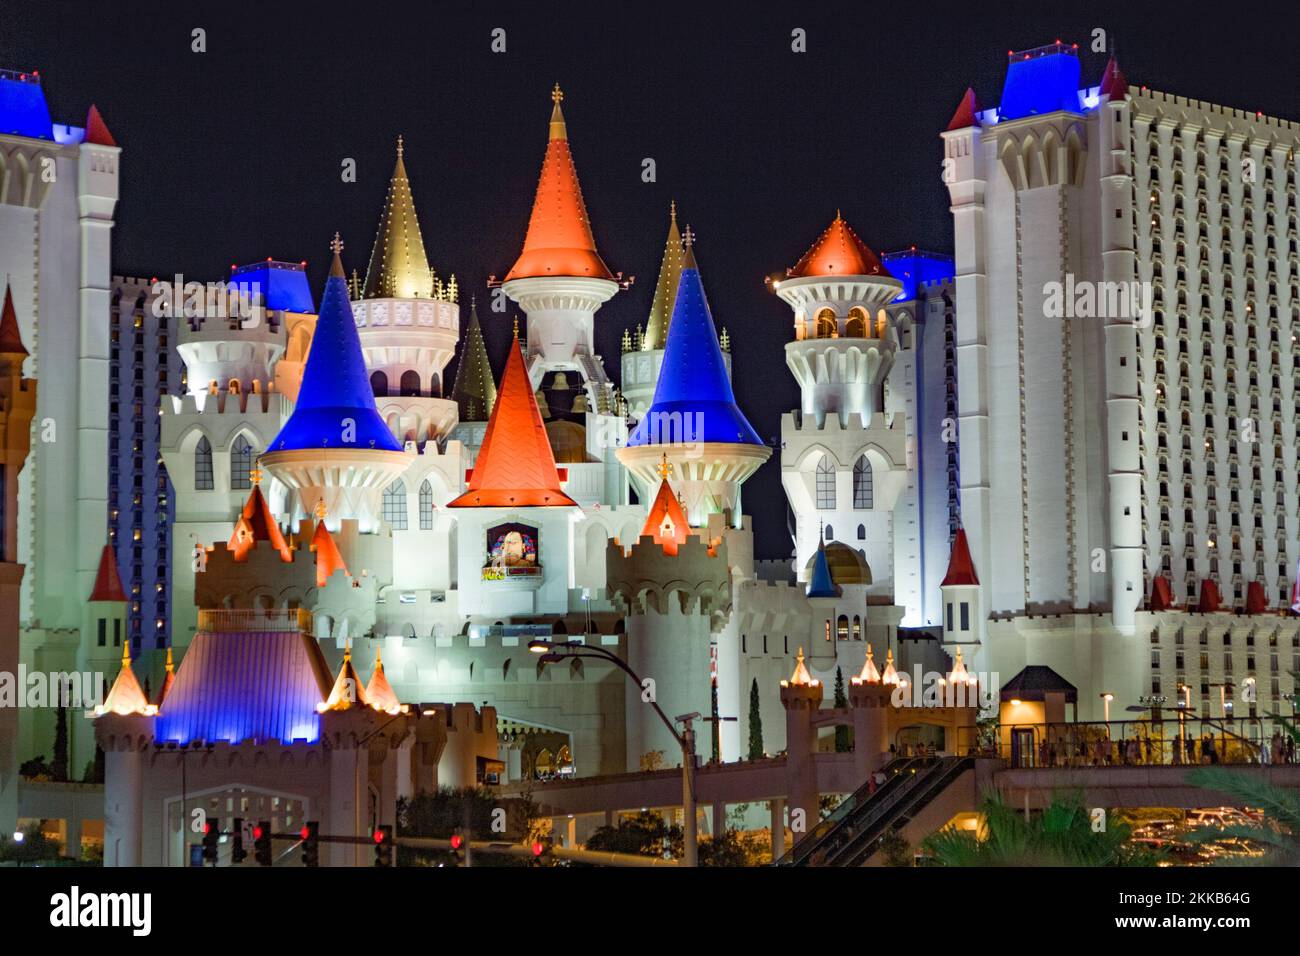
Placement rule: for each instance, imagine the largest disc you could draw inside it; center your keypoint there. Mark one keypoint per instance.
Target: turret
(408, 321)
(801, 696)
(963, 619)
(559, 279)
(694, 420)
(335, 448)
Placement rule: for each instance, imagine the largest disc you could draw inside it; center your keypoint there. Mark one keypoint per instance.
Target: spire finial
(256, 475)
(688, 237)
(672, 210)
(557, 95)
(399, 144)
(336, 267)
(320, 510)
(838, 217)
(170, 665)
(126, 652)
(336, 245)
(516, 326)
(665, 467)
(347, 651)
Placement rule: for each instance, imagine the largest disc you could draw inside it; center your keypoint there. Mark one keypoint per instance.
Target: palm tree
(1280, 833)
(1062, 835)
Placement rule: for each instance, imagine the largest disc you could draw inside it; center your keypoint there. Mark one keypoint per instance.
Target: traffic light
(262, 843)
(311, 843)
(384, 845)
(457, 849)
(541, 853)
(237, 852)
(211, 834)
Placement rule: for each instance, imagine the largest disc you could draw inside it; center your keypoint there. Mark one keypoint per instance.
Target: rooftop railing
(228, 620)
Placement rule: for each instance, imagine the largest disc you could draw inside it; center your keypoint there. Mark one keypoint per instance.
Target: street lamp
(552, 652)
(1106, 698)
(19, 836)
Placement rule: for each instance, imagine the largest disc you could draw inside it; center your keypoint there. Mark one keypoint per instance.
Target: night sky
(234, 154)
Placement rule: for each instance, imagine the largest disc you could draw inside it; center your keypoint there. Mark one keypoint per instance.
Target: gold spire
(320, 510)
(398, 267)
(558, 130)
(256, 475)
(516, 326)
(475, 390)
(670, 275)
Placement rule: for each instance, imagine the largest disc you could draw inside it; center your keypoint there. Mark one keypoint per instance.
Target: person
(1146, 748)
(871, 785)
(1290, 749)
(1189, 747)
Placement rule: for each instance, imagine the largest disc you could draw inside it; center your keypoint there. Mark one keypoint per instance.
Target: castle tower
(335, 448)
(675, 588)
(17, 406)
(963, 619)
(643, 359)
(104, 640)
(801, 696)
(57, 199)
(514, 522)
(408, 321)
(559, 279)
(475, 391)
(844, 459)
(694, 420)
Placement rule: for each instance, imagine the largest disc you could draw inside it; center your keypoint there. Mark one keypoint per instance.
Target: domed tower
(559, 279)
(335, 448)
(694, 420)
(844, 459)
(408, 321)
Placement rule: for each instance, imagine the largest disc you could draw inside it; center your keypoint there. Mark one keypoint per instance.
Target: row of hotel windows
(842, 628)
(863, 493)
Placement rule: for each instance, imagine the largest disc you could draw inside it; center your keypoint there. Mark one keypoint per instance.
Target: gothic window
(856, 327)
(825, 484)
(426, 506)
(862, 532)
(857, 628)
(379, 384)
(410, 386)
(862, 490)
(395, 505)
(241, 464)
(203, 465)
(842, 628)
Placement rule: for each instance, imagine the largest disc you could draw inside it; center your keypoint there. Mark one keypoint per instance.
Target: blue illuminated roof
(693, 378)
(821, 585)
(283, 285)
(255, 685)
(914, 268)
(336, 405)
(1045, 80)
(23, 111)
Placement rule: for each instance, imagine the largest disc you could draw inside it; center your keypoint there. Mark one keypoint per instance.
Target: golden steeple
(475, 390)
(670, 275)
(558, 130)
(347, 691)
(399, 268)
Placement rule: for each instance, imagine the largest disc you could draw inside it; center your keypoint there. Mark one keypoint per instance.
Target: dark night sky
(234, 154)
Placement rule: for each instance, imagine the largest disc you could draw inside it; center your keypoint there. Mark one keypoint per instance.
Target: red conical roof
(1209, 602)
(559, 240)
(515, 466)
(1113, 82)
(964, 118)
(97, 130)
(11, 339)
(961, 569)
(108, 586)
(257, 524)
(838, 252)
(1256, 599)
(666, 522)
(1162, 595)
(328, 557)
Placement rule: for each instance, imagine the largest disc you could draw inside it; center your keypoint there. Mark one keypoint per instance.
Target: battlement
(647, 577)
(1256, 121)
(220, 403)
(798, 422)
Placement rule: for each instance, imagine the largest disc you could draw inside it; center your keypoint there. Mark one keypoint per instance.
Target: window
(828, 533)
(103, 632)
(862, 533)
(379, 384)
(410, 385)
(241, 464)
(965, 615)
(203, 465)
(825, 484)
(857, 628)
(949, 616)
(842, 628)
(862, 490)
(395, 505)
(827, 328)
(426, 506)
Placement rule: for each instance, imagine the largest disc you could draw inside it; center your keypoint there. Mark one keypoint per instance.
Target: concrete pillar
(801, 701)
(777, 809)
(869, 704)
(123, 802)
(72, 838)
(719, 817)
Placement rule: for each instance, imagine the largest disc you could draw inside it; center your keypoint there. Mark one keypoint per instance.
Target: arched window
(379, 384)
(880, 324)
(857, 628)
(826, 484)
(862, 490)
(826, 327)
(842, 628)
(828, 533)
(856, 326)
(426, 506)
(410, 383)
(203, 465)
(862, 532)
(395, 505)
(241, 464)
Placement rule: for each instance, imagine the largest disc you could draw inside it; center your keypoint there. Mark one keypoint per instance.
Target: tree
(59, 762)
(842, 742)
(755, 723)
(643, 834)
(472, 810)
(34, 848)
(1062, 835)
(1281, 833)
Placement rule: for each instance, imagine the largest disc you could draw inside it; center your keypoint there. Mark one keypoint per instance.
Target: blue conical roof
(693, 377)
(821, 585)
(336, 406)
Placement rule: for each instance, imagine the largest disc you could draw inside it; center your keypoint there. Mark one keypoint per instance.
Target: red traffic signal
(257, 833)
(538, 848)
(305, 832)
(207, 828)
(379, 836)
(457, 841)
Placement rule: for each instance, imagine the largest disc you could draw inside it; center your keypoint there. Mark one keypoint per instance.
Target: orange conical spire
(515, 466)
(666, 522)
(559, 240)
(11, 339)
(328, 557)
(257, 523)
(838, 252)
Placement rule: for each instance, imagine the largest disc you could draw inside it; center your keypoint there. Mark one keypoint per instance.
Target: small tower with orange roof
(674, 585)
(559, 279)
(801, 696)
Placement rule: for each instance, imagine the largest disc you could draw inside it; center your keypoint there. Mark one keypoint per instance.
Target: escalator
(850, 835)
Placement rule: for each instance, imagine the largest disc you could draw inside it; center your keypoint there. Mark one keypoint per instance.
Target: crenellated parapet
(645, 577)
